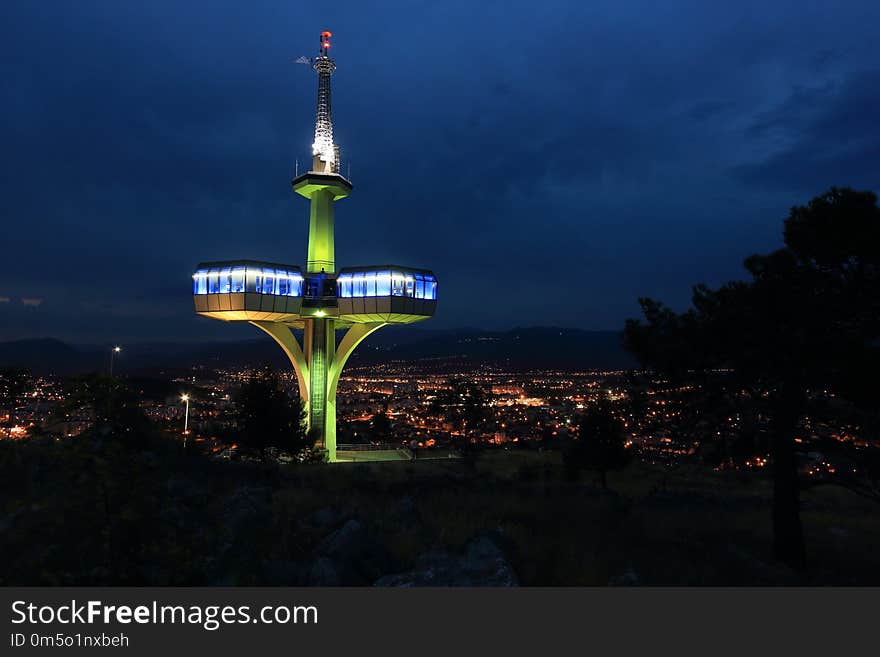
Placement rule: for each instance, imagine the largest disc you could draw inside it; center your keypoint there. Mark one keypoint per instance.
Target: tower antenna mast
(325, 153)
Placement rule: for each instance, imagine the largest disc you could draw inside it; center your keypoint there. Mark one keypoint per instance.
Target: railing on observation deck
(366, 447)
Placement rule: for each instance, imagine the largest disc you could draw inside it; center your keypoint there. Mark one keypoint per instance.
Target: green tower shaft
(321, 341)
(322, 253)
(319, 330)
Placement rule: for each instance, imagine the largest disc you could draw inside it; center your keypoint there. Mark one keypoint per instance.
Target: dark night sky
(551, 161)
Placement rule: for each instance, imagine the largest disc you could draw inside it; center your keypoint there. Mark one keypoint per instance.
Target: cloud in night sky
(550, 161)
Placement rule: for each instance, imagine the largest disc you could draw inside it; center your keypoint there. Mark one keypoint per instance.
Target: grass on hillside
(78, 513)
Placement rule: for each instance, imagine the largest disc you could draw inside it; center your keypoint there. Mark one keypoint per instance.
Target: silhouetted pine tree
(809, 317)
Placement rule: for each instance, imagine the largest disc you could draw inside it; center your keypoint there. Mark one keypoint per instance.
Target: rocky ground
(98, 514)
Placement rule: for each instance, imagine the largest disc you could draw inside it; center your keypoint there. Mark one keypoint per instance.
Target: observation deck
(249, 290)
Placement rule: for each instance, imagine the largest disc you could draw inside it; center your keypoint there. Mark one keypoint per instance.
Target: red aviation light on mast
(325, 40)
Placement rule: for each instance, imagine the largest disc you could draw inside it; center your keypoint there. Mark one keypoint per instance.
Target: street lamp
(113, 352)
(185, 398)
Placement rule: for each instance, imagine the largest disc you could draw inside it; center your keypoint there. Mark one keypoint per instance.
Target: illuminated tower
(320, 301)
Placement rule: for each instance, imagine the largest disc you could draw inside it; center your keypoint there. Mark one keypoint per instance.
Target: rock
(406, 512)
(245, 506)
(357, 557)
(434, 568)
(183, 488)
(482, 564)
(347, 541)
(281, 572)
(226, 579)
(8, 521)
(324, 517)
(750, 569)
(628, 578)
(243, 513)
(323, 573)
(484, 556)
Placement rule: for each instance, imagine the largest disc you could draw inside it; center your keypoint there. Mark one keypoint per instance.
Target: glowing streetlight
(185, 398)
(115, 350)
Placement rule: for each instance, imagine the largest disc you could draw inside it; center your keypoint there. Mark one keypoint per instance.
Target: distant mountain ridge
(520, 348)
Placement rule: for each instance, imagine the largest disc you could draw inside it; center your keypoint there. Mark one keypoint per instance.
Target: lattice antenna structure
(325, 154)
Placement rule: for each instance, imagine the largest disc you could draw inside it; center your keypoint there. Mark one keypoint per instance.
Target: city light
(185, 398)
(115, 350)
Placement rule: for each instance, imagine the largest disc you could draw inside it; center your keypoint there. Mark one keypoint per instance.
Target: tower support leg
(352, 338)
(318, 365)
(285, 338)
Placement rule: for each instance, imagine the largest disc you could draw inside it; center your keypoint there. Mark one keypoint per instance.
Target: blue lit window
(358, 285)
(200, 282)
(237, 280)
(383, 284)
(224, 281)
(269, 282)
(213, 281)
(398, 284)
(284, 283)
(420, 286)
(344, 284)
(289, 283)
(370, 284)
